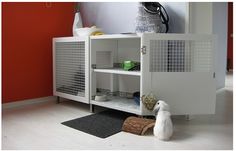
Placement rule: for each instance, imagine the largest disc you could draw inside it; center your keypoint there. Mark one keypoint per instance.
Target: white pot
(85, 31)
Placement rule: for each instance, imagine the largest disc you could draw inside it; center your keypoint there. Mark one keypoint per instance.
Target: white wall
(200, 18)
(111, 17)
(118, 17)
(211, 18)
(220, 27)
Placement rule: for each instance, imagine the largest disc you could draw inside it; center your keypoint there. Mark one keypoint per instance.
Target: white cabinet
(107, 52)
(176, 68)
(71, 68)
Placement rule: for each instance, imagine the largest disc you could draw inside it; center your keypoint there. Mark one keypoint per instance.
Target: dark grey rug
(102, 124)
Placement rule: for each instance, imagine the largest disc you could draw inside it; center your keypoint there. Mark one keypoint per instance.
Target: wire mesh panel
(180, 56)
(70, 67)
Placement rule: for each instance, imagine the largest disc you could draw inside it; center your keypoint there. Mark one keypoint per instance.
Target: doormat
(102, 124)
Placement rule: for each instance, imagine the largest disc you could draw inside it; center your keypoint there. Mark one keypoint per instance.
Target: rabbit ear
(165, 106)
(156, 108)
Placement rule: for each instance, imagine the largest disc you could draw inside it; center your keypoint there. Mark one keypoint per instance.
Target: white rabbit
(163, 128)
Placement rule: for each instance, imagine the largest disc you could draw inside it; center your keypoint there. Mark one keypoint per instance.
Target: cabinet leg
(58, 99)
(91, 108)
(188, 117)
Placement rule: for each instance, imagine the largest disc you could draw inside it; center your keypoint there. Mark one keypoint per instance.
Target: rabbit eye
(158, 103)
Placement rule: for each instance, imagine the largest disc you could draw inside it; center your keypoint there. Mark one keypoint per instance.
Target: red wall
(27, 32)
(230, 38)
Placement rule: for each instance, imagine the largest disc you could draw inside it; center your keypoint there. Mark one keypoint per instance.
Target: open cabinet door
(179, 69)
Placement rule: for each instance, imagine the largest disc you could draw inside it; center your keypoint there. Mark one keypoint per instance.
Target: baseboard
(28, 102)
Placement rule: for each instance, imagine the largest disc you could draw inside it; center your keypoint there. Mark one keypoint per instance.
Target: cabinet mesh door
(181, 55)
(70, 67)
(180, 70)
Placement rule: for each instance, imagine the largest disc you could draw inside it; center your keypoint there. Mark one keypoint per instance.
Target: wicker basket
(149, 101)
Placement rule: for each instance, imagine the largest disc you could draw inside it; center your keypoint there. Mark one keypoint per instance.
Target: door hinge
(214, 75)
(143, 50)
(93, 66)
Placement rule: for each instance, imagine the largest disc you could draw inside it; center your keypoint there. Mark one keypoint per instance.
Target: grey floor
(38, 127)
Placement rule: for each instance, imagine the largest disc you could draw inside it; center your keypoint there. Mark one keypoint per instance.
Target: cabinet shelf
(118, 71)
(119, 103)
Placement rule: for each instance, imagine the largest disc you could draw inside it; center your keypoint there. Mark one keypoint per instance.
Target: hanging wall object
(151, 18)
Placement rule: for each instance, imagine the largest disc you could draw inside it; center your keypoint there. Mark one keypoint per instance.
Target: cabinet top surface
(115, 36)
